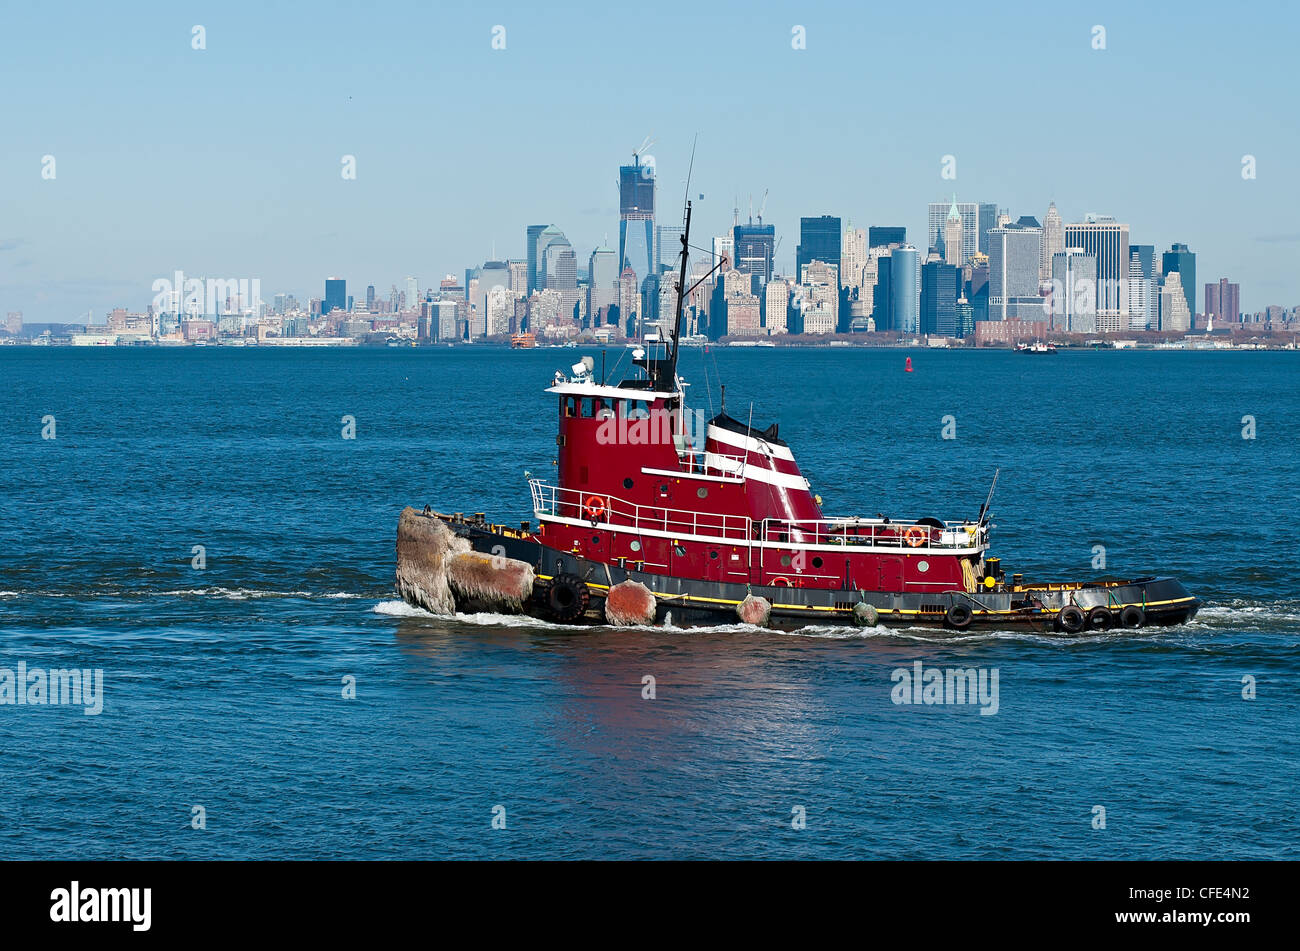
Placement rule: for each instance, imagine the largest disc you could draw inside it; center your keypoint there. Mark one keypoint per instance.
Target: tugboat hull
(571, 589)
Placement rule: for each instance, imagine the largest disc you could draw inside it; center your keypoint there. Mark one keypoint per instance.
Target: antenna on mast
(984, 510)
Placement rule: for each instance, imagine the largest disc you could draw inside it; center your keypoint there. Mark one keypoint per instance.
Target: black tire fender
(566, 597)
(1101, 619)
(1132, 617)
(959, 616)
(1071, 619)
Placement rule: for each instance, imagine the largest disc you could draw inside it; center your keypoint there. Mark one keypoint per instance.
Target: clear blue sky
(226, 162)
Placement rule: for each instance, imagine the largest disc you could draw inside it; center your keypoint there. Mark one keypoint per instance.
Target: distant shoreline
(1195, 345)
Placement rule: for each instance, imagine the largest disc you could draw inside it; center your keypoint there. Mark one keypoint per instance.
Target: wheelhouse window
(595, 407)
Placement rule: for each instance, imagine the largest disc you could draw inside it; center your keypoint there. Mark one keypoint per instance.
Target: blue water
(223, 686)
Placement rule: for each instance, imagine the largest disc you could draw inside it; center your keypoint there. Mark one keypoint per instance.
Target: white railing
(875, 533)
(699, 462)
(557, 502)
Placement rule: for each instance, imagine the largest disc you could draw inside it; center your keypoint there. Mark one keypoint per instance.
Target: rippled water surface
(223, 686)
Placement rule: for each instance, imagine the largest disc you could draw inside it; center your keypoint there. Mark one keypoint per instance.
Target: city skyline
(581, 276)
(169, 157)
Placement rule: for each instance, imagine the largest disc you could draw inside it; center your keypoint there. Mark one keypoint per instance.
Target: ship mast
(662, 372)
(671, 370)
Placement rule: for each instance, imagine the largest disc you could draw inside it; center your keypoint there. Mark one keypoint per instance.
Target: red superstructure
(634, 491)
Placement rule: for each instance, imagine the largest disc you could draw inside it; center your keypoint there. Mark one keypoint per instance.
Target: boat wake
(1228, 617)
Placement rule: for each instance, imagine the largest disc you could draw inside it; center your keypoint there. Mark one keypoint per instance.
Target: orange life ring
(595, 506)
(915, 536)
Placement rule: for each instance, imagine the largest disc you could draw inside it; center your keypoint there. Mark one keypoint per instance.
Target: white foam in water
(1244, 614)
(401, 609)
(244, 594)
(511, 620)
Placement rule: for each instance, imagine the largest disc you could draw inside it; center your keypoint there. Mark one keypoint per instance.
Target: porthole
(635, 546)
(713, 554)
(627, 483)
(785, 561)
(817, 562)
(923, 566)
(595, 539)
(702, 492)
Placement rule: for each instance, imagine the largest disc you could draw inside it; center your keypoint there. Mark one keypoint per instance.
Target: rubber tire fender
(958, 616)
(566, 597)
(1100, 619)
(1132, 617)
(1071, 619)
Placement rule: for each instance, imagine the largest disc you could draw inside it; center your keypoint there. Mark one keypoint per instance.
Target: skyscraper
(493, 276)
(540, 256)
(668, 246)
(1014, 254)
(629, 302)
(987, 218)
(821, 296)
(336, 295)
(753, 246)
(534, 237)
(602, 281)
(370, 297)
(977, 287)
(953, 238)
(636, 217)
(562, 276)
(518, 278)
(819, 240)
(940, 290)
(1053, 239)
(724, 246)
(1107, 241)
(1143, 288)
(853, 256)
(880, 291)
(1223, 302)
(968, 215)
(905, 278)
(1074, 292)
(1174, 314)
(776, 306)
(550, 242)
(412, 294)
(1179, 258)
(882, 236)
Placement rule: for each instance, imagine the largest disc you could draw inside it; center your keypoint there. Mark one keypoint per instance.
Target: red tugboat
(644, 526)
